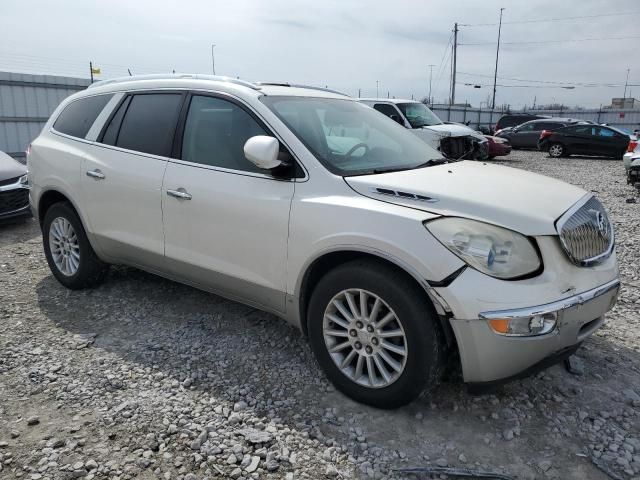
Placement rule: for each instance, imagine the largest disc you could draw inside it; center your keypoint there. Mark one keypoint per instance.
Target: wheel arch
(50, 197)
(327, 261)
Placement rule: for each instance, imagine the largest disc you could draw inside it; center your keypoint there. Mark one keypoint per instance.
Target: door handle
(181, 194)
(97, 174)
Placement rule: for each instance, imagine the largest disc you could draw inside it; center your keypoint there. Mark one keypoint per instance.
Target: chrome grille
(586, 233)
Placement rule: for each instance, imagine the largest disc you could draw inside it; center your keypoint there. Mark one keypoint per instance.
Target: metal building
(26, 101)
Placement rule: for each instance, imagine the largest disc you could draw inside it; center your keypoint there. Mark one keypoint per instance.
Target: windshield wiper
(432, 162)
(428, 163)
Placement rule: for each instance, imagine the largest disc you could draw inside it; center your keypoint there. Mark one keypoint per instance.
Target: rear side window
(149, 123)
(110, 136)
(550, 126)
(77, 117)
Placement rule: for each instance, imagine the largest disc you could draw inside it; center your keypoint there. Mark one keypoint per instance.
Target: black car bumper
(14, 202)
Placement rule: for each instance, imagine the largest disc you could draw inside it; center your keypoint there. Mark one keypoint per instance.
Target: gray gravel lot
(146, 378)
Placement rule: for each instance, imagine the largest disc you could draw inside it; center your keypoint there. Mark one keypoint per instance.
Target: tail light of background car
(632, 145)
(545, 134)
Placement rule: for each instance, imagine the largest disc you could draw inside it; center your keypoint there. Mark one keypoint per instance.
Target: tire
(556, 150)
(89, 270)
(398, 295)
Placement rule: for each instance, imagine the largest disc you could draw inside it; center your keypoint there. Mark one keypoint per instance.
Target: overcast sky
(347, 45)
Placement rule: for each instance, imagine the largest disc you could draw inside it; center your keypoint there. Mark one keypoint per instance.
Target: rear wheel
(375, 334)
(556, 150)
(67, 249)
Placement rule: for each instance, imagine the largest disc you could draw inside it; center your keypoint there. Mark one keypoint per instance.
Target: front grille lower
(586, 233)
(12, 200)
(457, 147)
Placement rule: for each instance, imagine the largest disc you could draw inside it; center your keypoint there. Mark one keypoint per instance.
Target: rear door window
(149, 123)
(605, 132)
(77, 117)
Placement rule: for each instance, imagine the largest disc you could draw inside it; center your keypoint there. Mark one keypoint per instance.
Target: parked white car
(307, 204)
(453, 140)
(631, 162)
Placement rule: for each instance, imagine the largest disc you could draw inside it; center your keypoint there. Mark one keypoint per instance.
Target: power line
(551, 83)
(555, 41)
(559, 19)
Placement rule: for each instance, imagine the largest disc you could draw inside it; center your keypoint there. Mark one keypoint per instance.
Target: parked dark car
(584, 139)
(515, 119)
(498, 147)
(527, 134)
(14, 190)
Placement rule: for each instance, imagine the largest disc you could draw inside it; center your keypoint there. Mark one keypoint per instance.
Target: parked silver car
(14, 189)
(307, 204)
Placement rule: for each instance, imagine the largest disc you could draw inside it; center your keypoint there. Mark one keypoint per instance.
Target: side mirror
(263, 151)
(396, 118)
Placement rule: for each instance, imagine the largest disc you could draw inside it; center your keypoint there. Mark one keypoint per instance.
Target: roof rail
(294, 85)
(172, 76)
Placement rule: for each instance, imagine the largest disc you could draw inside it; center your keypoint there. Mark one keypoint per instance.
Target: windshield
(350, 138)
(419, 115)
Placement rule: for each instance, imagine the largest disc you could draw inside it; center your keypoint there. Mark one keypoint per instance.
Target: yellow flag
(95, 71)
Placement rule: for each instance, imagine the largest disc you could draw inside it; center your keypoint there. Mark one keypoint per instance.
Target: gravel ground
(146, 378)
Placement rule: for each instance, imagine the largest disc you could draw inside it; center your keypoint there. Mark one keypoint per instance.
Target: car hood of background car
(449, 130)
(10, 168)
(522, 201)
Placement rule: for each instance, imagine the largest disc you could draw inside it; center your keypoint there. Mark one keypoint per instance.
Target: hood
(10, 168)
(522, 201)
(450, 130)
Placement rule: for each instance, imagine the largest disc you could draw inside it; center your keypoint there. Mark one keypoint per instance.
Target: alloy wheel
(365, 338)
(555, 150)
(64, 246)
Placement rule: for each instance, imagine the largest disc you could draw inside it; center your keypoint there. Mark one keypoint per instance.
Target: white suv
(307, 204)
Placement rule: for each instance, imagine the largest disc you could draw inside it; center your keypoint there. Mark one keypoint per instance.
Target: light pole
(377, 85)
(626, 83)
(495, 76)
(213, 59)
(430, 77)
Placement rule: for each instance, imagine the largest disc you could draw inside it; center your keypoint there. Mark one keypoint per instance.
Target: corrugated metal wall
(26, 101)
(627, 118)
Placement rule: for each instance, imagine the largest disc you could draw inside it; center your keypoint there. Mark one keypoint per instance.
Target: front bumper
(487, 356)
(14, 201)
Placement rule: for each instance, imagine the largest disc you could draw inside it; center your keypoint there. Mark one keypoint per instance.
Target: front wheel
(375, 334)
(67, 249)
(556, 150)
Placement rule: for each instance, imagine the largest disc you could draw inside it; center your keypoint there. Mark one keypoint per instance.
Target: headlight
(24, 180)
(500, 140)
(496, 251)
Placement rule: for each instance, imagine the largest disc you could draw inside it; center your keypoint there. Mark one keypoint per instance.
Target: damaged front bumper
(465, 147)
(489, 357)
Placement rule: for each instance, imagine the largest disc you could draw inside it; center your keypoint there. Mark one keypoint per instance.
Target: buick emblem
(600, 221)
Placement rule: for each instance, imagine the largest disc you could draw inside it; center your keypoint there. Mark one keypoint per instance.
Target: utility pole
(377, 85)
(453, 65)
(626, 83)
(213, 59)
(430, 77)
(495, 75)
(91, 72)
